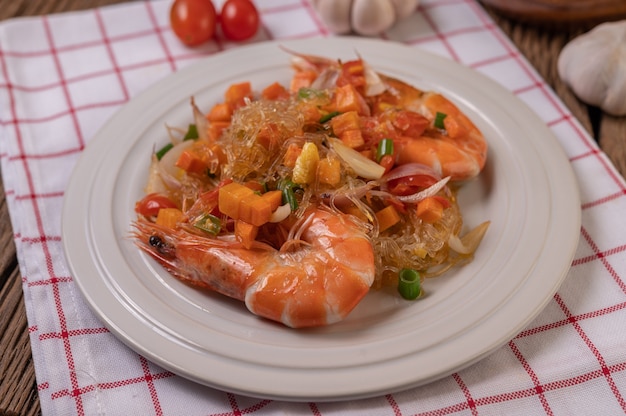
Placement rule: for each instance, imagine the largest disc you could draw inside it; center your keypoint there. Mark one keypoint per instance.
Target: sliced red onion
(430, 191)
(281, 213)
(200, 120)
(410, 169)
(373, 84)
(326, 79)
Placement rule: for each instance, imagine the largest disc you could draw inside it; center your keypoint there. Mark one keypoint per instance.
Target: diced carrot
(302, 79)
(236, 93)
(430, 210)
(310, 113)
(329, 171)
(268, 135)
(387, 217)
(275, 91)
(275, 198)
(352, 138)
(216, 128)
(169, 217)
(344, 122)
(255, 210)
(387, 161)
(246, 233)
(241, 203)
(220, 112)
(347, 98)
(291, 155)
(191, 162)
(229, 198)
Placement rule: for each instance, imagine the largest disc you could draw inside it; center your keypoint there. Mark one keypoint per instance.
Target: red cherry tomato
(193, 21)
(410, 184)
(150, 205)
(239, 19)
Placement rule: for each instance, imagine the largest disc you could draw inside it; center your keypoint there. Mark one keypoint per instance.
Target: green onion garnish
(409, 284)
(289, 196)
(439, 117)
(209, 223)
(192, 133)
(385, 147)
(164, 150)
(328, 116)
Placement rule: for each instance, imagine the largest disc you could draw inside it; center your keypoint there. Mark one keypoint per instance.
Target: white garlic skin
(594, 67)
(364, 17)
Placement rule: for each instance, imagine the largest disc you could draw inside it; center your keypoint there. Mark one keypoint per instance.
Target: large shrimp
(458, 150)
(317, 280)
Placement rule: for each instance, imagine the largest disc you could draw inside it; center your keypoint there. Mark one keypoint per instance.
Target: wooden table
(18, 388)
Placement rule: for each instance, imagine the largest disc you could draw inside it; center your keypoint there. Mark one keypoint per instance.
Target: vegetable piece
(592, 65)
(352, 138)
(236, 94)
(329, 171)
(362, 166)
(291, 155)
(302, 80)
(387, 217)
(220, 112)
(169, 217)
(216, 128)
(343, 122)
(347, 98)
(439, 118)
(329, 116)
(430, 210)
(150, 204)
(191, 162)
(164, 150)
(365, 17)
(209, 223)
(239, 19)
(246, 233)
(387, 162)
(409, 284)
(275, 199)
(275, 91)
(470, 241)
(192, 133)
(193, 21)
(287, 187)
(241, 203)
(306, 164)
(385, 148)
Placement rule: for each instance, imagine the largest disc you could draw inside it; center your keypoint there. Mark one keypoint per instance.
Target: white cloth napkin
(62, 76)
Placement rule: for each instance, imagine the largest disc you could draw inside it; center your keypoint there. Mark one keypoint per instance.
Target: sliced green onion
(308, 93)
(329, 116)
(164, 150)
(289, 196)
(209, 223)
(192, 133)
(409, 284)
(385, 147)
(439, 117)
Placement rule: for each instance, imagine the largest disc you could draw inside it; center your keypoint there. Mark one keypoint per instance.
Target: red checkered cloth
(61, 78)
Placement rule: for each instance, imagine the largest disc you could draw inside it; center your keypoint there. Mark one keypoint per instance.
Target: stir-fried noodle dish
(300, 198)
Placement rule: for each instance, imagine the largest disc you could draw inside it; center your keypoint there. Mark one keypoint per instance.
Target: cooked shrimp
(459, 150)
(315, 279)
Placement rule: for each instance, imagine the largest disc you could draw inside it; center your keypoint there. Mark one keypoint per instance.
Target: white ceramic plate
(527, 190)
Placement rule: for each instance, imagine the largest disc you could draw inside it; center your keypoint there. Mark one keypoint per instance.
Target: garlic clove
(594, 67)
(404, 8)
(336, 14)
(371, 17)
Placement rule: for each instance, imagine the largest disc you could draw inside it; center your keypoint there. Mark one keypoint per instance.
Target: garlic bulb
(365, 17)
(594, 67)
